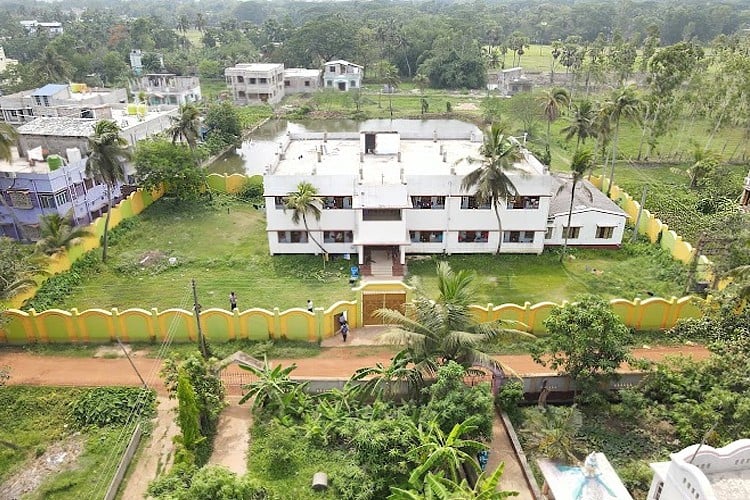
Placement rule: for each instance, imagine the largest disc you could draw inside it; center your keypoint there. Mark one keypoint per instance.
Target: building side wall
(588, 221)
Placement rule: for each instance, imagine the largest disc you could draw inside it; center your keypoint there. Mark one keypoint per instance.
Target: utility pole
(197, 309)
(145, 386)
(640, 212)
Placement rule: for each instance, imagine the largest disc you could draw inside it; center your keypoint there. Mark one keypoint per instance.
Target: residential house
(301, 80)
(51, 28)
(42, 186)
(256, 83)
(5, 61)
(596, 222)
(703, 472)
(136, 61)
(342, 75)
(167, 89)
(57, 100)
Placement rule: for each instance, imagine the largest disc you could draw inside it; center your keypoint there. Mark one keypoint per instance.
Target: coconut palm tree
(8, 137)
(580, 166)
(553, 102)
(581, 124)
(436, 331)
(304, 201)
(186, 125)
(107, 154)
(17, 268)
(378, 381)
(391, 79)
(490, 181)
(623, 104)
(59, 233)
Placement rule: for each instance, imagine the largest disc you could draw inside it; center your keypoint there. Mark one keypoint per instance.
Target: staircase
(381, 265)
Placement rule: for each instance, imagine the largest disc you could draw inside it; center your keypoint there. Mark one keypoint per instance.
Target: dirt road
(31, 369)
(232, 440)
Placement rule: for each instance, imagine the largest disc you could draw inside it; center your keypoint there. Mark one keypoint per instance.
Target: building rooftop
(341, 156)
(341, 61)
(20, 165)
(587, 197)
(49, 90)
(302, 72)
(83, 127)
(256, 66)
(730, 484)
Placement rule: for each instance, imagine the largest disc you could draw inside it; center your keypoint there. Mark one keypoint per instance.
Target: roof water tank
(132, 109)
(54, 162)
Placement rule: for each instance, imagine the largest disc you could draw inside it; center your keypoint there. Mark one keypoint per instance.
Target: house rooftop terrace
(418, 156)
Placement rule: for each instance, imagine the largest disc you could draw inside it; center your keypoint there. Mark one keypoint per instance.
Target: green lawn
(33, 418)
(630, 272)
(224, 249)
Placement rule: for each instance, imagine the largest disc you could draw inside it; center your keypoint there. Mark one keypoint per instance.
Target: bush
(353, 483)
(509, 397)
(58, 287)
(636, 476)
(112, 406)
(252, 192)
(279, 449)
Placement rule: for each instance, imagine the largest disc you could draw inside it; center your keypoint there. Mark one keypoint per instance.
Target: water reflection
(258, 151)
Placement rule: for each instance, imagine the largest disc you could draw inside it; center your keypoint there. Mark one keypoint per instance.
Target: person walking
(232, 301)
(310, 305)
(343, 326)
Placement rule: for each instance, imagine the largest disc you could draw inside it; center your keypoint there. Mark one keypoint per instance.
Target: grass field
(224, 249)
(33, 418)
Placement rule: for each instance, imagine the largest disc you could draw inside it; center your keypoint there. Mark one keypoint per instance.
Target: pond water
(258, 151)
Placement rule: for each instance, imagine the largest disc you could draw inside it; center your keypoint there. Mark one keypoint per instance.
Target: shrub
(636, 476)
(509, 397)
(112, 406)
(353, 483)
(58, 287)
(219, 483)
(279, 449)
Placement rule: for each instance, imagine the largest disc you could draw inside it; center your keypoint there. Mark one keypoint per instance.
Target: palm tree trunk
(105, 236)
(570, 217)
(16, 221)
(549, 123)
(309, 233)
(499, 226)
(614, 158)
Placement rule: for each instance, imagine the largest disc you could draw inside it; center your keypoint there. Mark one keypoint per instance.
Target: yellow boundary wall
(219, 325)
(133, 205)
(231, 183)
(656, 231)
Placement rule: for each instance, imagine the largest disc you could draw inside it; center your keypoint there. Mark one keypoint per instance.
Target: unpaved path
(233, 437)
(501, 450)
(156, 457)
(32, 369)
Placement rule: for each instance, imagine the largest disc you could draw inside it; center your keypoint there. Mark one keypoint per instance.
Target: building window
(287, 83)
(89, 183)
(279, 201)
(262, 81)
(548, 234)
(307, 83)
(518, 236)
(523, 203)
(659, 490)
(251, 81)
(426, 236)
(241, 94)
(329, 83)
(372, 214)
(473, 236)
(338, 236)
(240, 79)
(353, 84)
(470, 202)
(292, 236)
(62, 197)
(428, 202)
(331, 69)
(47, 200)
(604, 232)
(20, 199)
(571, 232)
(336, 202)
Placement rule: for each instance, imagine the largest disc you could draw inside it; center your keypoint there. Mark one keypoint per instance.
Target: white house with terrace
(388, 194)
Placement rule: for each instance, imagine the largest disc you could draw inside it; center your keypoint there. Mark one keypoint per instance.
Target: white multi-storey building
(256, 83)
(386, 195)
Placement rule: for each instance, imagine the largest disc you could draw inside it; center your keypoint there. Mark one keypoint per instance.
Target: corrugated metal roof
(49, 90)
(588, 197)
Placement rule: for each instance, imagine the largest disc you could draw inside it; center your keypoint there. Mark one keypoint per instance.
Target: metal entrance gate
(372, 301)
